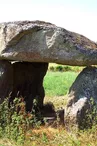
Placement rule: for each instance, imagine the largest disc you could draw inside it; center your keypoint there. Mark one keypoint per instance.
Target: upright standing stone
(82, 104)
(6, 79)
(28, 82)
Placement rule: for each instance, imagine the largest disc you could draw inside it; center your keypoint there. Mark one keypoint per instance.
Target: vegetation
(15, 121)
(58, 83)
(56, 86)
(63, 68)
(19, 128)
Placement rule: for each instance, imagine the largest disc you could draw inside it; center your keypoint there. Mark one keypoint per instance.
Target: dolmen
(26, 48)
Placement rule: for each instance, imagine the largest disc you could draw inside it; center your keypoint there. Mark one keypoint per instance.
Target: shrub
(59, 68)
(62, 68)
(52, 68)
(67, 68)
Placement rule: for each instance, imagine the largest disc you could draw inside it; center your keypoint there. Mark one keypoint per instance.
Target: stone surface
(6, 79)
(83, 98)
(39, 41)
(28, 82)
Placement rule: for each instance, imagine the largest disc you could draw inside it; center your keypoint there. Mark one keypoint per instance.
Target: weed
(44, 137)
(91, 114)
(15, 121)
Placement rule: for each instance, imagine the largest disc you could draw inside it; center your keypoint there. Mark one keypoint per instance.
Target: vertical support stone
(28, 82)
(81, 108)
(6, 79)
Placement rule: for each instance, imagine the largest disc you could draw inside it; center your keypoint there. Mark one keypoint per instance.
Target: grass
(58, 83)
(56, 86)
(47, 136)
(7, 142)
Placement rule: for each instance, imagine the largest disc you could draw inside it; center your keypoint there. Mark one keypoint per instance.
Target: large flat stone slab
(37, 41)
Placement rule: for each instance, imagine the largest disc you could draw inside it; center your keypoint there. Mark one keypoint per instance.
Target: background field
(58, 83)
(56, 86)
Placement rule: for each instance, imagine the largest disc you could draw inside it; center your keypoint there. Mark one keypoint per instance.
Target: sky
(79, 16)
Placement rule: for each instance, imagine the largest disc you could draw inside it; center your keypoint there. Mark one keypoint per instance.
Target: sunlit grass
(58, 83)
(56, 86)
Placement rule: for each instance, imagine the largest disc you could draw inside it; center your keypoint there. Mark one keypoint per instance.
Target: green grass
(58, 83)
(56, 86)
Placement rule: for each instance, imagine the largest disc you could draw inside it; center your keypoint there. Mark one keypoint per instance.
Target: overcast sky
(75, 15)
